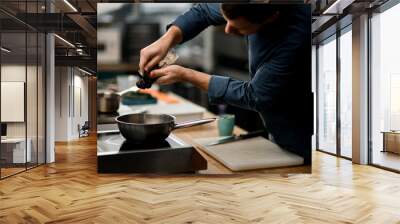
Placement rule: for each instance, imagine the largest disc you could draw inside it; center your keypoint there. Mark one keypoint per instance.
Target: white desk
(18, 149)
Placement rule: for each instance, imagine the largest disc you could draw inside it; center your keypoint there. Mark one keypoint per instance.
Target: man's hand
(151, 55)
(170, 74)
(175, 73)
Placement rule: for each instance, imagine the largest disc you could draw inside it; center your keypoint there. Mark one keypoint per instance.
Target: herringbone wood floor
(70, 191)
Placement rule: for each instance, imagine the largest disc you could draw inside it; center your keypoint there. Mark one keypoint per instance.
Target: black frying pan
(151, 127)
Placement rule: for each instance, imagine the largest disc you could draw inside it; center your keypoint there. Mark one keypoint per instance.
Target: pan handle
(194, 123)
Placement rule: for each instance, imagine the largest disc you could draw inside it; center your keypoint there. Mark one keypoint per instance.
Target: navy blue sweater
(280, 70)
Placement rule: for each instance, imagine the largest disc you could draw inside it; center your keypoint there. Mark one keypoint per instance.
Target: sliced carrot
(160, 95)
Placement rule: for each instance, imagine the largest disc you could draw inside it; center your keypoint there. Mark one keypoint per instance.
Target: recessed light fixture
(65, 41)
(5, 50)
(70, 5)
(79, 51)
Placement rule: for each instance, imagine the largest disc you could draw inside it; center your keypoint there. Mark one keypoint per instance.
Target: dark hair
(255, 13)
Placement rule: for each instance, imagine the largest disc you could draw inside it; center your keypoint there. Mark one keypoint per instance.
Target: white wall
(61, 103)
(71, 102)
(16, 73)
(80, 111)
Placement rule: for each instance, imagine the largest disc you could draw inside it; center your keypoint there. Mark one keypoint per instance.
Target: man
(279, 43)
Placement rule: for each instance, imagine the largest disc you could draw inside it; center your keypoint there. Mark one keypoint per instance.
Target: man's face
(241, 26)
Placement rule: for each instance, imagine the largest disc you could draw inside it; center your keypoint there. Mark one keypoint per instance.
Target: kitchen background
(124, 29)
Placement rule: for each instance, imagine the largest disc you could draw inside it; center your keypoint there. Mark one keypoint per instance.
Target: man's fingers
(164, 80)
(158, 73)
(142, 61)
(153, 62)
(147, 60)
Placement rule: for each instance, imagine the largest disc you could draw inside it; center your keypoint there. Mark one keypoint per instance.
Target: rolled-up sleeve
(251, 95)
(260, 93)
(217, 88)
(198, 18)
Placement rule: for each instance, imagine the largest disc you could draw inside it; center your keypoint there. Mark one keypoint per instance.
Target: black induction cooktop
(106, 118)
(172, 155)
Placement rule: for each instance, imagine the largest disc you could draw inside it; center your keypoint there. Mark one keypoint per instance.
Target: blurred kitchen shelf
(123, 67)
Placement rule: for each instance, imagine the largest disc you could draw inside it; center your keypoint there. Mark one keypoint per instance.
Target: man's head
(245, 19)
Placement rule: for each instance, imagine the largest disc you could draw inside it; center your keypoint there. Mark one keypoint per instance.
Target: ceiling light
(84, 71)
(332, 8)
(5, 50)
(65, 41)
(70, 5)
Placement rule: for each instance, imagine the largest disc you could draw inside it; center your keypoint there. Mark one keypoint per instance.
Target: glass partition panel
(346, 94)
(41, 79)
(23, 88)
(314, 86)
(32, 98)
(15, 149)
(385, 89)
(32, 85)
(327, 96)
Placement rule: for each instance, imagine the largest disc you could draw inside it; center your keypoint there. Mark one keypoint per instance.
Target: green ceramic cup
(226, 123)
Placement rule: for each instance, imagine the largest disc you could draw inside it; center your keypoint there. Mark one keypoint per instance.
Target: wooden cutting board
(250, 154)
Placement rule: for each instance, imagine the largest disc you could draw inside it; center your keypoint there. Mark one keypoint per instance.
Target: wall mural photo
(205, 88)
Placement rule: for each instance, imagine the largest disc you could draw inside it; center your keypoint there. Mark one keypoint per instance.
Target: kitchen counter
(190, 136)
(215, 167)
